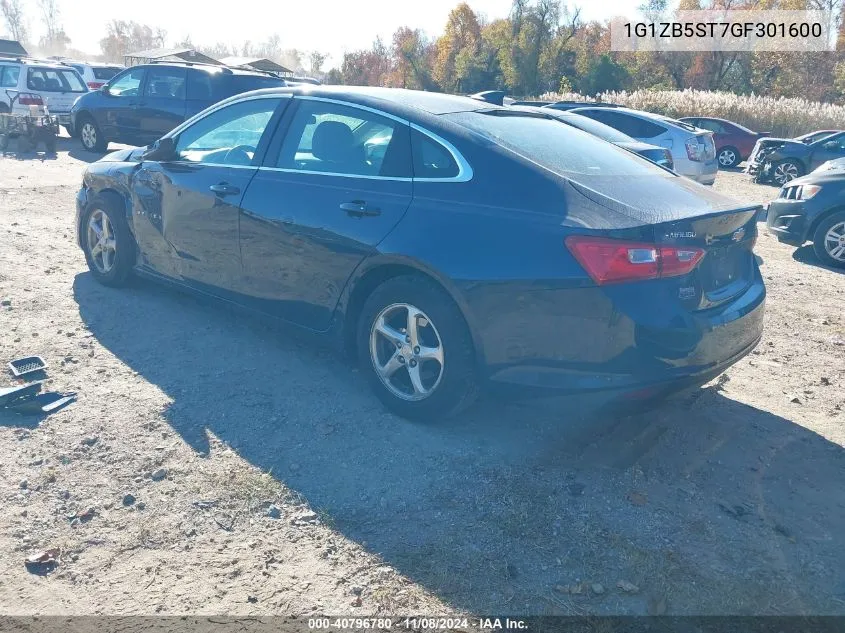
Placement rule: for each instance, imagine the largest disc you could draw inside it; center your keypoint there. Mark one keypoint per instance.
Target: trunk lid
(678, 212)
(727, 268)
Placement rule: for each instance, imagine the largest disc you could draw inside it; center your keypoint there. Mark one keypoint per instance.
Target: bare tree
(12, 11)
(50, 14)
(316, 60)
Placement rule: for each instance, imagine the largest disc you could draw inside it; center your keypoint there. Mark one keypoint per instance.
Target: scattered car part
(42, 403)
(12, 394)
(43, 561)
(26, 365)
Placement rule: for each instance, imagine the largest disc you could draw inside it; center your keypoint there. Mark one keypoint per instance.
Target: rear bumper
(703, 173)
(670, 353)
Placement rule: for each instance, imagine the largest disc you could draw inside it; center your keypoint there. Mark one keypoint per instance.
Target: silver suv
(26, 81)
(693, 150)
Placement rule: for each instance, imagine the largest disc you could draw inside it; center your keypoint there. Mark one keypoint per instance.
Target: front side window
(9, 76)
(128, 84)
(53, 80)
(228, 136)
(337, 139)
(835, 143)
(165, 83)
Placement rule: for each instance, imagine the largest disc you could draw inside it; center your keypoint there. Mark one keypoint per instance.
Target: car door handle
(359, 209)
(224, 189)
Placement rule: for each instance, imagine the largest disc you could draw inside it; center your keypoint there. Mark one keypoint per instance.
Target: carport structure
(256, 63)
(168, 54)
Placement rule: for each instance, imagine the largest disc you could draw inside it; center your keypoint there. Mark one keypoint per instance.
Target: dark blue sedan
(449, 243)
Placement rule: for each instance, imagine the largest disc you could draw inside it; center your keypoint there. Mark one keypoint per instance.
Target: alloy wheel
(727, 158)
(834, 242)
(406, 351)
(101, 241)
(88, 134)
(785, 172)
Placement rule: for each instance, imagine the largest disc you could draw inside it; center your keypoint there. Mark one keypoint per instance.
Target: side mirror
(162, 150)
(105, 89)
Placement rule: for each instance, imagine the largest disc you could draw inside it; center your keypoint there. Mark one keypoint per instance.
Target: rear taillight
(96, 85)
(29, 99)
(613, 261)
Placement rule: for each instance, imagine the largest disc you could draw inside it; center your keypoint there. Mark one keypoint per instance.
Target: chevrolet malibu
(448, 243)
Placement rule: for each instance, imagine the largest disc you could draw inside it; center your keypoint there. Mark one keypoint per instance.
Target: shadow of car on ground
(722, 507)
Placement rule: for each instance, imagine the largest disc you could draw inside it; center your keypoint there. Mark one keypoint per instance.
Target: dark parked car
(143, 103)
(781, 160)
(734, 142)
(658, 155)
(810, 209)
(448, 242)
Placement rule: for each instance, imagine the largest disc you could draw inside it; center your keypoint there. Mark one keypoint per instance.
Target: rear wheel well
(365, 286)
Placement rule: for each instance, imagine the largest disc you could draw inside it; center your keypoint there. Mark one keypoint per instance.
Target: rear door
(162, 104)
(331, 188)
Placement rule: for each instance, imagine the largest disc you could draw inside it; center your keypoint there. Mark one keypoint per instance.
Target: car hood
(132, 155)
(831, 167)
(626, 202)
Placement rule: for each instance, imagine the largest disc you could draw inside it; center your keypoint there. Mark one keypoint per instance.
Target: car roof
(211, 68)
(397, 100)
(34, 61)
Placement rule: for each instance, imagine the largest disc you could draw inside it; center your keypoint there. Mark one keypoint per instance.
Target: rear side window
(54, 80)
(335, 139)
(9, 76)
(625, 123)
(431, 159)
(713, 126)
(556, 146)
(104, 73)
(236, 84)
(165, 83)
(199, 85)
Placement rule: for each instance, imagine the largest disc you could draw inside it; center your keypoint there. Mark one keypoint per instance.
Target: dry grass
(777, 116)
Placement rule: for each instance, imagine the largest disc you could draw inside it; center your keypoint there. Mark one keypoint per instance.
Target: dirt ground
(265, 479)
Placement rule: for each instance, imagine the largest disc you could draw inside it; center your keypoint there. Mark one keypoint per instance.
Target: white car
(26, 82)
(693, 150)
(96, 75)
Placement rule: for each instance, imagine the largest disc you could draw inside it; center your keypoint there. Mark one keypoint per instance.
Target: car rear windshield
(554, 145)
(604, 132)
(54, 80)
(104, 73)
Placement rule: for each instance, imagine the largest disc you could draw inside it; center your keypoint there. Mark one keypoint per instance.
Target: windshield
(556, 146)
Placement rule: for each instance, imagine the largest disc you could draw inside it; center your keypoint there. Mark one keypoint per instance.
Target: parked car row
(449, 243)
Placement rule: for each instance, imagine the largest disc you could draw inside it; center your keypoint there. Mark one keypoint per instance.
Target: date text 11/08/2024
(418, 623)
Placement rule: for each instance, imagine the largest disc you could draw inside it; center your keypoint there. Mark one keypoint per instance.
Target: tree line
(541, 46)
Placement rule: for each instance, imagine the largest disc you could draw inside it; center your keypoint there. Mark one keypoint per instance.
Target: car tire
(786, 170)
(442, 388)
(829, 240)
(90, 135)
(728, 157)
(4, 109)
(110, 264)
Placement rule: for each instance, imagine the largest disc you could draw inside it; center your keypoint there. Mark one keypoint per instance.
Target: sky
(329, 26)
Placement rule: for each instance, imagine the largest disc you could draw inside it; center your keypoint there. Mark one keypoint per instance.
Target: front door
(186, 210)
(326, 195)
(118, 117)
